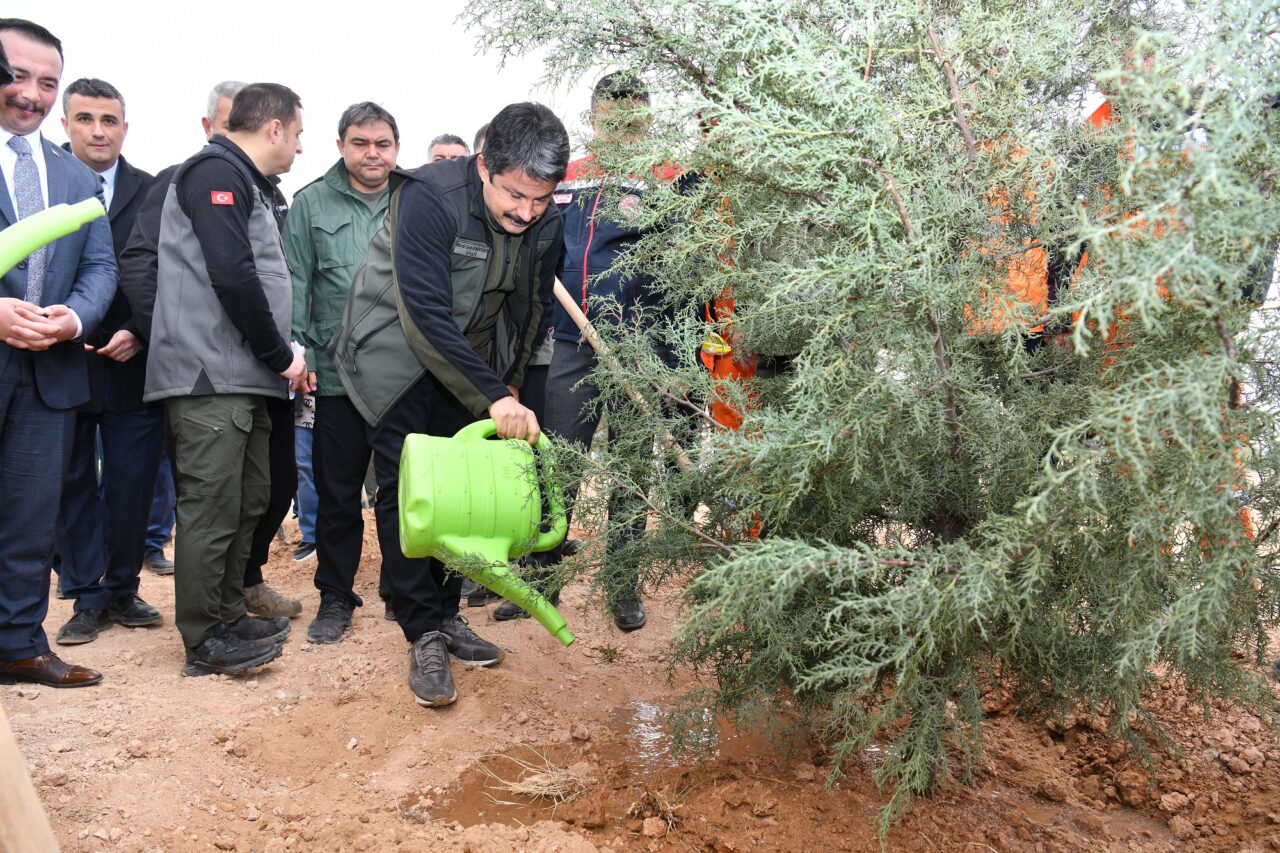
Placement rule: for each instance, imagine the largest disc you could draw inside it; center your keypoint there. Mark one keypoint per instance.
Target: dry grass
(536, 780)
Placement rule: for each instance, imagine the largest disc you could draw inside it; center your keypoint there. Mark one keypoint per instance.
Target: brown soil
(326, 750)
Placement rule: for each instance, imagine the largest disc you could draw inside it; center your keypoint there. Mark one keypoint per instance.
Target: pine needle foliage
(942, 505)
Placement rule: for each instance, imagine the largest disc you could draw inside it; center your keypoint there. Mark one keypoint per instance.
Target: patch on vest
(562, 198)
(629, 206)
(471, 249)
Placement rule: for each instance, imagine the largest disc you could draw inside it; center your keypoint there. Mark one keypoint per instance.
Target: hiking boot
(304, 552)
(628, 613)
(262, 600)
(466, 646)
(252, 629)
(332, 619)
(476, 595)
(222, 652)
(508, 610)
(157, 563)
(429, 675)
(83, 627)
(132, 612)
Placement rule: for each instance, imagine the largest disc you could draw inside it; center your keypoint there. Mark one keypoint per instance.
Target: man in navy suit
(48, 302)
(106, 497)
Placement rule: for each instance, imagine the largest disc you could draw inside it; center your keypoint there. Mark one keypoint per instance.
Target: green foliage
(942, 504)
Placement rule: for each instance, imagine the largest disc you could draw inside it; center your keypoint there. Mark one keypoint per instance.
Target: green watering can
(465, 496)
(26, 235)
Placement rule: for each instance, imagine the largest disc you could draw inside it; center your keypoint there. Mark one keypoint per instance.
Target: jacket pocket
(334, 240)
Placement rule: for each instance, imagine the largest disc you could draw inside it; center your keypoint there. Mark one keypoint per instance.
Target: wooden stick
(23, 823)
(591, 336)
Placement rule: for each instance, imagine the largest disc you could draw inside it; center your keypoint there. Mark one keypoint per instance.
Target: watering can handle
(483, 429)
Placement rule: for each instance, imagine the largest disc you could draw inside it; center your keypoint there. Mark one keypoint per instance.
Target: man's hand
(515, 392)
(514, 420)
(66, 321)
(25, 326)
(296, 373)
(123, 346)
(312, 382)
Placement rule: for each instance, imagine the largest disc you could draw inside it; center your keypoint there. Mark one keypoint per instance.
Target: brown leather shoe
(48, 669)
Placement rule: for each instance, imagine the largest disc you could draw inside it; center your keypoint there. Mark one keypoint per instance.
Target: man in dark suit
(51, 299)
(106, 499)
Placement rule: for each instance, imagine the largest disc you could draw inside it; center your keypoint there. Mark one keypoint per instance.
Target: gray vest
(195, 349)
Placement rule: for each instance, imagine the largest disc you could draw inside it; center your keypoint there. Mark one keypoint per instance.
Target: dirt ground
(325, 750)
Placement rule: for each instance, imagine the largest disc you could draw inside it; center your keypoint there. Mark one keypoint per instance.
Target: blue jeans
(164, 504)
(306, 498)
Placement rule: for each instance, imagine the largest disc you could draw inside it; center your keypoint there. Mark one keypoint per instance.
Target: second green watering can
(467, 497)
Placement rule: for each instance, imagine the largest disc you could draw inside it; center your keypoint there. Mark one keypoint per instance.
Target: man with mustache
(48, 303)
(437, 332)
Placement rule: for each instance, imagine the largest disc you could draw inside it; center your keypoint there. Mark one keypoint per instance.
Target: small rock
(1052, 789)
(100, 834)
(1236, 764)
(653, 827)
(252, 814)
(1092, 821)
(115, 834)
(1182, 828)
(352, 744)
(136, 749)
(1090, 787)
(1252, 725)
(1225, 738)
(1253, 755)
(579, 731)
(54, 776)
(63, 746)
(224, 844)
(806, 772)
(28, 693)
(1173, 802)
(522, 718)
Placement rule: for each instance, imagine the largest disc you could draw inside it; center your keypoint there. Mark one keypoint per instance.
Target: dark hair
(91, 87)
(366, 112)
(530, 138)
(619, 86)
(258, 104)
(33, 31)
(448, 139)
(478, 142)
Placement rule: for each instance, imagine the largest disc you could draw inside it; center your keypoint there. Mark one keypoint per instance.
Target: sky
(414, 59)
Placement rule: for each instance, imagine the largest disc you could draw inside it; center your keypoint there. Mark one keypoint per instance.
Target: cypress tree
(955, 482)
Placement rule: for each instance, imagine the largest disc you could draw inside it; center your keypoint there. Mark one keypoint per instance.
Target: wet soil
(325, 750)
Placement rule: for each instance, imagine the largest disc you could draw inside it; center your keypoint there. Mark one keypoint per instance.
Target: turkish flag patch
(222, 197)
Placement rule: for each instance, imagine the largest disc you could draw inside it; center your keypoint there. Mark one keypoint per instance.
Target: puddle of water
(643, 748)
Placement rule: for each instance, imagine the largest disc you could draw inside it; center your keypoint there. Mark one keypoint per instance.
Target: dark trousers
(284, 483)
(34, 443)
(220, 446)
(163, 502)
(423, 594)
(104, 521)
(341, 445)
(573, 416)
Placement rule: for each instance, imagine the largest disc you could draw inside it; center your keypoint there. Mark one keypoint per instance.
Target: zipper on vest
(355, 349)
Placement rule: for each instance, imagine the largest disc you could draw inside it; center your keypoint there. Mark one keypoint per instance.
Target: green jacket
(427, 300)
(325, 238)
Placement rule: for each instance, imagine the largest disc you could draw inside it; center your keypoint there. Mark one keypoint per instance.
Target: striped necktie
(26, 187)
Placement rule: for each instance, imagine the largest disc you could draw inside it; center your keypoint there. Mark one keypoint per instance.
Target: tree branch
(892, 188)
(957, 103)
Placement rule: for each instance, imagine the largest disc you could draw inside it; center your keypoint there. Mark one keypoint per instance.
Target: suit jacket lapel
(6, 203)
(126, 185)
(57, 187)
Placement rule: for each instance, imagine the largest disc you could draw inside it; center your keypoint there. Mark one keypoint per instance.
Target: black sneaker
(332, 619)
(255, 629)
(476, 595)
(508, 610)
(83, 627)
(628, 613)
(304, 552)
(466, 646)
(429, 676)
(132, 612)
(157, 563)
(221, 652)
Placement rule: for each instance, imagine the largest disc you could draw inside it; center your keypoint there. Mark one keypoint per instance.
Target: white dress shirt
(109, 183)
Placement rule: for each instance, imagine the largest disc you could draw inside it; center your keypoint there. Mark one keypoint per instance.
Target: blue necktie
(26, 186)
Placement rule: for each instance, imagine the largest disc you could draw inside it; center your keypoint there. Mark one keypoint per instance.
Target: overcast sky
(412, 58)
